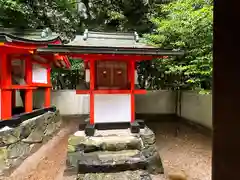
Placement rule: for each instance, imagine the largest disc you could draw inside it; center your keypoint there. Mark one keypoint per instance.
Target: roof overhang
(20, 51)
(69, 50)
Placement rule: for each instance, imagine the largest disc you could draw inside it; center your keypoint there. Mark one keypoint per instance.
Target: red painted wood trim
(111, 57)
(49, 76)
(140, 91)
(48, 89)
(18, 87)
(132, 67)
(6, 80)
(92, 87)
(110, 91)
(10, 49)
(14, 91)
(6, 104)
(27, 48)
(28, 79)
(67, 62)
(129, 75)
(28, 100)
(82, 91)
(40, 85)
(47, 102)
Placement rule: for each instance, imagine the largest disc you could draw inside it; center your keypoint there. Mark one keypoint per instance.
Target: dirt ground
(190, 151)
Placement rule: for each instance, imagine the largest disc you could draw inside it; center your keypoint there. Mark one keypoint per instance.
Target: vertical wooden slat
(92, 87)
(132, 74)
(48, 89)
(6, 81)
(28, 80)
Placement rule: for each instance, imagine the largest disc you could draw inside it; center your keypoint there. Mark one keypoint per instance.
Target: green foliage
(185, 24)
(121, 15)
(59, 15)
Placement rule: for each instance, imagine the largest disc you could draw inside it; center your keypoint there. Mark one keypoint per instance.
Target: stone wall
(18, 143)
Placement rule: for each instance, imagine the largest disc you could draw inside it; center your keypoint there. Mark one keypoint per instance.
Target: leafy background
(175, 24)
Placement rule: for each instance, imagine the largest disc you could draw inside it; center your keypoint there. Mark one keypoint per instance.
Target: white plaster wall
(18, 99)
(156, 102)
(67, 101)
(39, 74)
(112, 108)
(197, 108)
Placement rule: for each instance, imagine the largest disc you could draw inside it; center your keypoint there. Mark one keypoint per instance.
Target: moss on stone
(75, 140)
(71, 148)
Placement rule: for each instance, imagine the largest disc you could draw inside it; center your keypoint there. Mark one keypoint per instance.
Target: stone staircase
(113, 155)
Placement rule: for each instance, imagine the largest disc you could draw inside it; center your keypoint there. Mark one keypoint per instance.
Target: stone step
(125, 175)
(111, 161)
(107, 143)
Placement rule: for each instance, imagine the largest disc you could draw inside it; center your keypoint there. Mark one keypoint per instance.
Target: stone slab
(111, 161)
(110, 132)
(108, 143)
(125, 175)
(112, 140)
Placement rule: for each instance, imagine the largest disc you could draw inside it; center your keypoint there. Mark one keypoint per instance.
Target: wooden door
(111, 75)
(119, 79)
(104, 74)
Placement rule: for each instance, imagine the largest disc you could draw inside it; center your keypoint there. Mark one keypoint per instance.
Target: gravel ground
(190, 151)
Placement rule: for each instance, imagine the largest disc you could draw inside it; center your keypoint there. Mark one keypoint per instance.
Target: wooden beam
(132, 74)
(48, 89)
(28, 80)
(92, 87)
(6, 80)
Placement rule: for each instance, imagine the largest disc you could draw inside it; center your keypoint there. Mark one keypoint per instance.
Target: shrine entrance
(112, 75)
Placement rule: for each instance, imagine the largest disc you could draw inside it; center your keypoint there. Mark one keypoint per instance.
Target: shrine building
(23, 70)
(110, 73)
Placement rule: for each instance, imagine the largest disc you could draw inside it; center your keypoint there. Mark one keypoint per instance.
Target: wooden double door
(112, 75)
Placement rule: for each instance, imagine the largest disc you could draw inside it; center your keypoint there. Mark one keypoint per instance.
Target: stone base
(126, 175)
(111, 161)
(134, 126)
(113, 151)
(18, 143)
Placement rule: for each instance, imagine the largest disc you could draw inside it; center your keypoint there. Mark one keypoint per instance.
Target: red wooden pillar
(6, 81)
(47, 102)
(132, 74)
(28, 79)
(92, 87)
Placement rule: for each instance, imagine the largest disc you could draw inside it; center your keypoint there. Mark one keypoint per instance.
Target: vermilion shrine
(111, 79)
(22, 69)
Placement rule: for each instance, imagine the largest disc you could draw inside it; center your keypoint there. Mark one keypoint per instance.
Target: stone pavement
(114, 154)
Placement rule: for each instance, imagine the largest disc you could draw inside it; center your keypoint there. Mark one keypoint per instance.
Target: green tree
(59, 15)
(184, 24)
(121, 15)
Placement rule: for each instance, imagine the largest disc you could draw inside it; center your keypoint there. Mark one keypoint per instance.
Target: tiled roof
(106, 39)
(37, 35)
